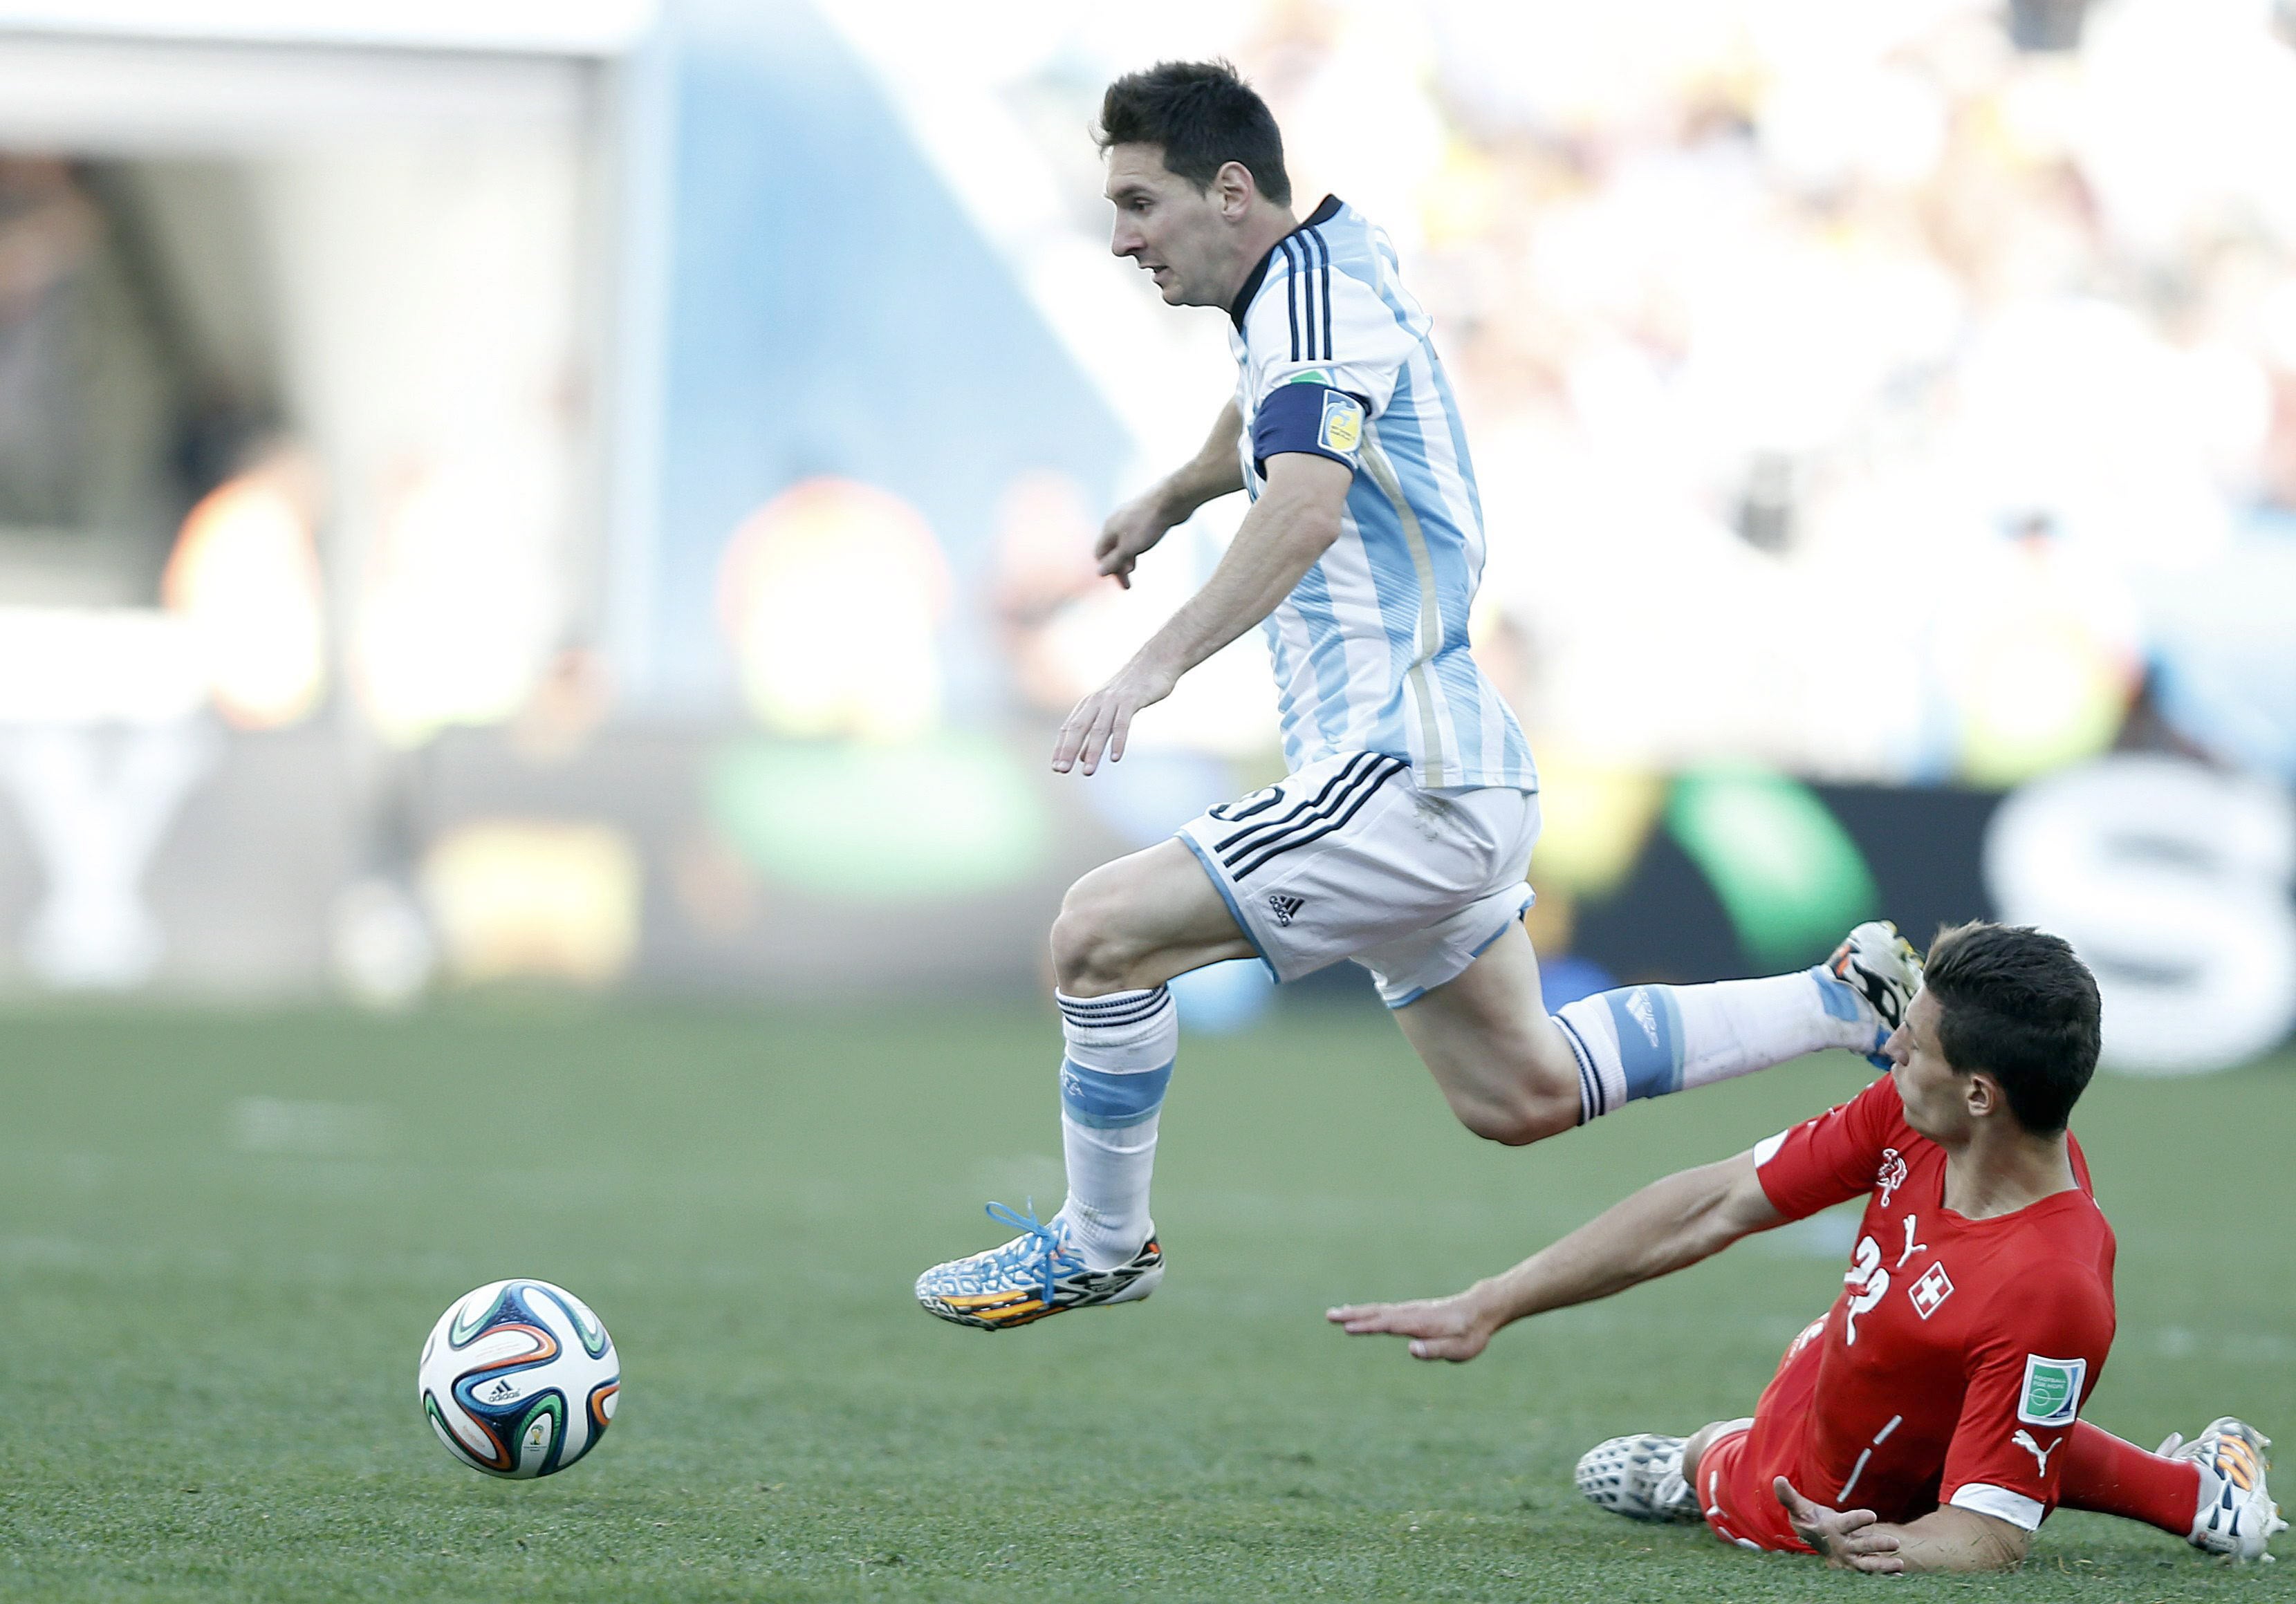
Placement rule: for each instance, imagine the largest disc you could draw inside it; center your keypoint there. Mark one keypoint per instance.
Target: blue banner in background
(832, 311)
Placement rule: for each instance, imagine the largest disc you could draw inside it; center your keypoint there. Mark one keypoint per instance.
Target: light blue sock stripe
(1110, 1103)
(1841, 999)
(1649, 1025)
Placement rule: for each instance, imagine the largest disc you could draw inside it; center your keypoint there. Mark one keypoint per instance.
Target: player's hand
(1131, 530)
(1848, 1539)
(1439, 1328)
(1101, 721)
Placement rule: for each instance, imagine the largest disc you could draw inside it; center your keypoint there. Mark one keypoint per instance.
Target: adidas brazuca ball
(519, 1378)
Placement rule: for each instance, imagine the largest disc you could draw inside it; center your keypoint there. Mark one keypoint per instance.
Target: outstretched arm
(1666, 1226)
(1946, 1539)
(1293, 523)
(1214, 471)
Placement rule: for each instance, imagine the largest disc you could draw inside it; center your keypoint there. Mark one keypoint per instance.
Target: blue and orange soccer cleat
(2241, 1518)
(1037, 1274)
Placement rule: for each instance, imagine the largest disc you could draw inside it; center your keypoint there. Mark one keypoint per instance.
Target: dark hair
(2017, 1003)
(1205, 115)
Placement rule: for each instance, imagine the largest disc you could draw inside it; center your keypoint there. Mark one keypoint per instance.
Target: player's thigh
(1485, 1038)
(1140, 920)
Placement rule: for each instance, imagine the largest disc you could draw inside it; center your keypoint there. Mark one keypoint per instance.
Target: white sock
(1120, 1049)
(1646, 1041)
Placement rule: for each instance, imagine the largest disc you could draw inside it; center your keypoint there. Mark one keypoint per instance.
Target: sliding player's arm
(1293, 523)
(1948, 1539)
(1666, 1226)
(1214, 471)
(2034, 1351)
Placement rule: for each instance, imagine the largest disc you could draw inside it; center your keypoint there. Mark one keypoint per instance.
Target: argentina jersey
(1335, 358)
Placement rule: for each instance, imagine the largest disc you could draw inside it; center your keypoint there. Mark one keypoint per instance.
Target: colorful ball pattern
(519, 1378)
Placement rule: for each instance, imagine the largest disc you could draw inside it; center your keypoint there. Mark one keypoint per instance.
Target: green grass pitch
(223, 1239)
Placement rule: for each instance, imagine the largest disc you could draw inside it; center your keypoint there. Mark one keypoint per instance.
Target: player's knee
(1694, 1450)
(1092, 952)
(1528, 1106)
(1511, 1127)
(1494, 1124)
(1520, 1116)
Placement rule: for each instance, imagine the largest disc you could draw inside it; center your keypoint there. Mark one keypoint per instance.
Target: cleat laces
(1039, 1242)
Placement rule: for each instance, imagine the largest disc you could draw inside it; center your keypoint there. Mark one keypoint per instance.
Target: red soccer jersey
(1952, 1366)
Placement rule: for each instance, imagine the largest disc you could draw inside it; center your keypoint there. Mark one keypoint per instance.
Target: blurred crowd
(1901, 393)
(1896, 392)
(1892, 393)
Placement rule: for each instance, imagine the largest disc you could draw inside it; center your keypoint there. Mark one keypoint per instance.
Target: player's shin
(1120, 1049)
(1646, 1041)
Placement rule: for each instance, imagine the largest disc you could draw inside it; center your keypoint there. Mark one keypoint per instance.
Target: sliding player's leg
(1514, 1073)
(1722, 1473)
(1684, 1481)
(1727, 1467)
(1649, 1475)
(2210, 1492)
(1124, 930)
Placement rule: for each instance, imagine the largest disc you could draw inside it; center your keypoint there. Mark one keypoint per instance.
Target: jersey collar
(1323, 214)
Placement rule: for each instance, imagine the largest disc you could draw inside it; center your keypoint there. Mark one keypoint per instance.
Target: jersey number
(1872, 1281)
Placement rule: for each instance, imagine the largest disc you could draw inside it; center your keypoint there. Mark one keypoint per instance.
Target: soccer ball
(519, 1378)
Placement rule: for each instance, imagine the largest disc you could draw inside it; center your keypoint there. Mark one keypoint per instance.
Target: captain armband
(1308, 417)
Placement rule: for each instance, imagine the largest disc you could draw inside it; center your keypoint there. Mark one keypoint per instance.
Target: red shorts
(1736, 1474)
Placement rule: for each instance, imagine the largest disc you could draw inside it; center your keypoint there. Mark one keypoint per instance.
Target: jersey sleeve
(1833, 1157)
(1323, 355)
(2033, 1361)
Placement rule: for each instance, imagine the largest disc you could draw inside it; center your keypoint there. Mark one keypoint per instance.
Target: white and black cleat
(1881, 966)
(1639, 1477)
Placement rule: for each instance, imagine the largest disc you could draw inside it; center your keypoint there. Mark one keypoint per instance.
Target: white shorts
(1349, 858)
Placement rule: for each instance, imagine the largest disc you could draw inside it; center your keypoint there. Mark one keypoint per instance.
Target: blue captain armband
(1308, 417)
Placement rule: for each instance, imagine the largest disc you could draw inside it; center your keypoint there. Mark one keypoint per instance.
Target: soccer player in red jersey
(1930, 1421)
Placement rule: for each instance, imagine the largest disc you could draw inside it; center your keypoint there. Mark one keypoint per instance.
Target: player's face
(1175, 234)
(1933, 1094)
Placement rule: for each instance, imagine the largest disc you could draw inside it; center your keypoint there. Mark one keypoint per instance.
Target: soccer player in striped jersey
(1400, 837)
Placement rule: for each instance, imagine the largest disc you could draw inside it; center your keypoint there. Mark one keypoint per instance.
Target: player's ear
(1982, 1095)
(1232, 188)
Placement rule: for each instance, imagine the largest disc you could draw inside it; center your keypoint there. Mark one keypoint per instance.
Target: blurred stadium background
(541, 518)
(599, 493)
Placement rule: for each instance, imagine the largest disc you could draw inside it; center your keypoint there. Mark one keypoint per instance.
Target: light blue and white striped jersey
(1371, 647)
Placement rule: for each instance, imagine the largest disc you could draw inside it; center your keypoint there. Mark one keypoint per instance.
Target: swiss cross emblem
(1932, 1289)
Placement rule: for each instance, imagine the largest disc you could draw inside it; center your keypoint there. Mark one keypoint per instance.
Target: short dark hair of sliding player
(2016, 1002)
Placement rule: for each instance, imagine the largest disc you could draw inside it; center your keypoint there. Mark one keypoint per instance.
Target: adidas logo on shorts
(1284, 907)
